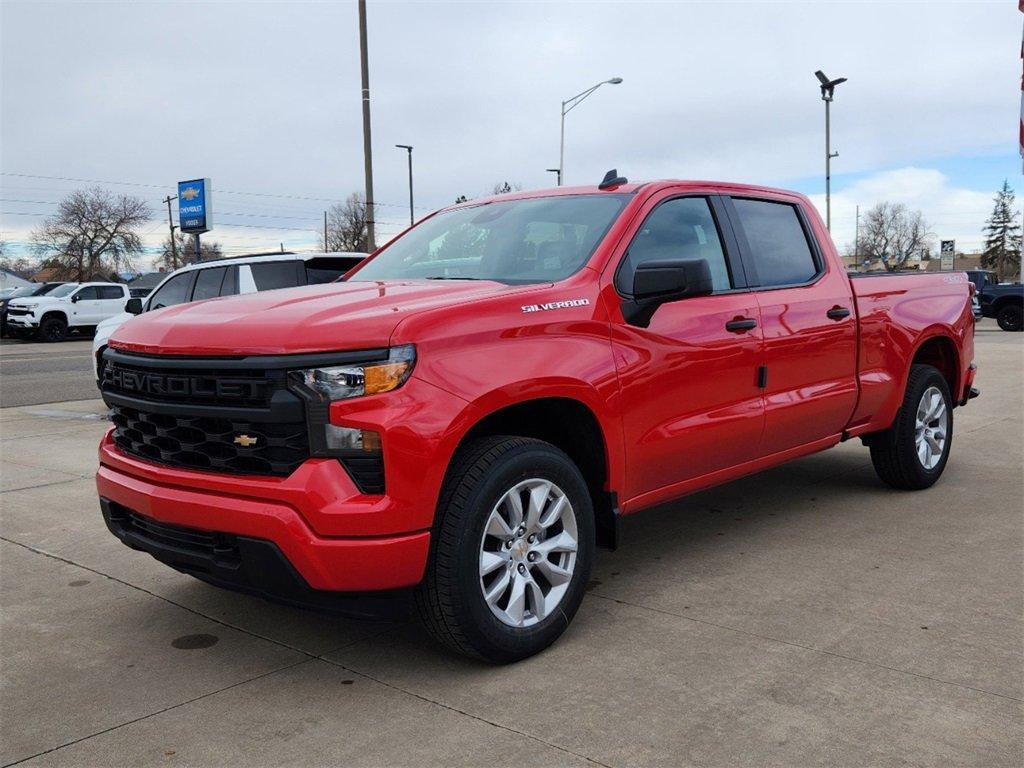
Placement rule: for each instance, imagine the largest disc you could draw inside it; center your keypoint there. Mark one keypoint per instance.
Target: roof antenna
(612, 179)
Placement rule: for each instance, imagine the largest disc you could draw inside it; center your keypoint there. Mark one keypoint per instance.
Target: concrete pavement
(804, 616)
(35, 372)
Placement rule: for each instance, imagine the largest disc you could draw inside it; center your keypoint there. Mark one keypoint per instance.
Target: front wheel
(912, 453)
(53, 329)
(511, 550)
(1010, 318)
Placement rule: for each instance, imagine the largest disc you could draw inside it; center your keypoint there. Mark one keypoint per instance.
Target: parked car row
(51, 311)
(1002, 301)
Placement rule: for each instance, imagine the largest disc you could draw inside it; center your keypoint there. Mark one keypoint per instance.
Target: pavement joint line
(802, 646)
(75, 479)
(140, 718)
(456, 710)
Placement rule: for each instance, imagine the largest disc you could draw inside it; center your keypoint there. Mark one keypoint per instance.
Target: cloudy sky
(263, 97)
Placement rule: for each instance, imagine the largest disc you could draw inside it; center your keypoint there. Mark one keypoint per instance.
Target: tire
(450, 599)
(1010, 318)
(53, 329)
(896, 454)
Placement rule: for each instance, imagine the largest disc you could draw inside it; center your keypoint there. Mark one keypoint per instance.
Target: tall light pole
(828, 88)
(407, 148)
(364, 63)
(170, 223)
(567, 106)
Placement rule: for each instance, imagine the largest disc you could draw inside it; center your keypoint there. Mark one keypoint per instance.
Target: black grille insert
(216, 444)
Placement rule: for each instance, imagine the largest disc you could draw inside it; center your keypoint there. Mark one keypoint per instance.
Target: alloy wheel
(528, 552)
(931, 428)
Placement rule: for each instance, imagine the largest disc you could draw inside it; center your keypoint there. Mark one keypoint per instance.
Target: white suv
(72, 306)
(227, 277)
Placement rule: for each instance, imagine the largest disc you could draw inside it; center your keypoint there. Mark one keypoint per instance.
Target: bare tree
(346, 225)
(503, 188)
(92, 232)
(185, 251)
(892, 233)
(20, 266)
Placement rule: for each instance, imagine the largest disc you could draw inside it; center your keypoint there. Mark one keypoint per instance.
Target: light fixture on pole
(557, 172)
(408, 148)
(828, 88)
(567, 106)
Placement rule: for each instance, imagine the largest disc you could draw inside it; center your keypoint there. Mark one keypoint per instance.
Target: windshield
(20, 292)
(536, 240)
(63, 290)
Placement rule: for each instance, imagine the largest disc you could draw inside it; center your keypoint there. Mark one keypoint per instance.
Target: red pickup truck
(471, 411)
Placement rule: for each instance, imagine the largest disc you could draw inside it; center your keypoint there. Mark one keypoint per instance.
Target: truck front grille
(210, 443)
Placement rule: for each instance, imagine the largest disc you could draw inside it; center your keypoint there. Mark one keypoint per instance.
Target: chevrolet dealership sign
(194, 213)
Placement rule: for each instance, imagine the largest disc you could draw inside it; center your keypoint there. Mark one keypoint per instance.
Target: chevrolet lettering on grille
(149, 383)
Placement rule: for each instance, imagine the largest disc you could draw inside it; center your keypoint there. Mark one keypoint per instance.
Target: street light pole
(364, 63)
(567, 106)
(408, 148)
(828, 88)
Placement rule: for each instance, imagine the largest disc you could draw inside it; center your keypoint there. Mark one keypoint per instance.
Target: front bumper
(270, 511)
(22, 321)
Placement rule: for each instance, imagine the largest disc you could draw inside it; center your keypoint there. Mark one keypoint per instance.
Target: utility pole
(407, 148)
(326, 248)
(364, 62)
(558, 172)
(828, 88)
(170, 223)
(856, 239)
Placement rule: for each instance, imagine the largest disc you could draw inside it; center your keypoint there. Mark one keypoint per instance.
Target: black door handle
(740, 325)
(838, 313)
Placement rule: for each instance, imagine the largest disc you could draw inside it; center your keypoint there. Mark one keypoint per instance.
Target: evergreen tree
(1003, 236)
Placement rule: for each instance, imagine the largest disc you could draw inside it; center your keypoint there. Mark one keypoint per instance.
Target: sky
(264, 98)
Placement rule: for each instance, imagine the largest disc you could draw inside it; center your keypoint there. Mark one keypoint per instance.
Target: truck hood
(314, 318)
(33, 300)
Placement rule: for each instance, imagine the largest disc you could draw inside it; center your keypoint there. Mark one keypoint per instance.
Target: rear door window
(208, 282)
(328, 269)
(111, 292)
(778, 243)
(88, 294)
(174, 291)
(277, 274)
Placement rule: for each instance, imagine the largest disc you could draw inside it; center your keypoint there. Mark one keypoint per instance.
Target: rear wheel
(53, 329)
(912, 453)
(1010, 318)
(511, 551)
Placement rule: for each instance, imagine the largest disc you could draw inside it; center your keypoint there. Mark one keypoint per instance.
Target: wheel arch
(59, 314)
(572, 426)
(939, 351)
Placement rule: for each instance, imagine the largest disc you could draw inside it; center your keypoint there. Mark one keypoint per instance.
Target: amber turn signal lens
(384, 378)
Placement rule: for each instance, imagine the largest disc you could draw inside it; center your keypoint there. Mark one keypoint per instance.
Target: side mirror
(659, 282)
(133, 306)
(75, 299)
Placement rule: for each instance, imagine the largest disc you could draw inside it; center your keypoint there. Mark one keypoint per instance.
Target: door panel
(691, 404)
(810, 330)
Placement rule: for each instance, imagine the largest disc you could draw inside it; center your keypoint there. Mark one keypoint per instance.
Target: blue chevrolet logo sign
(194, 206)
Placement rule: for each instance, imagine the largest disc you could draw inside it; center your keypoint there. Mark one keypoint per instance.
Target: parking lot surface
(35, 372)
(804, 616)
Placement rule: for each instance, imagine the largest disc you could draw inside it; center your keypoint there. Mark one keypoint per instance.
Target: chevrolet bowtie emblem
(190, 193)
(245, 441)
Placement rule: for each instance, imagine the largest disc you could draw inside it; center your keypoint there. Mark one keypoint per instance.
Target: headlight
(31, 305)
(341, 382)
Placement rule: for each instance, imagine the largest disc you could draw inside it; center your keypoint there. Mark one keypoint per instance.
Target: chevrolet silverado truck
(472, 410)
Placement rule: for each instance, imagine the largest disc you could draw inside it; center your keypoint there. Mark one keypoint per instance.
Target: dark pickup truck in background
(1003, 301)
